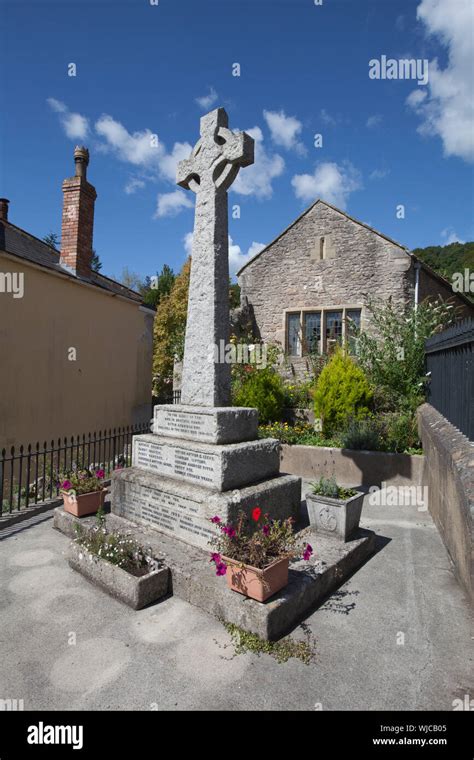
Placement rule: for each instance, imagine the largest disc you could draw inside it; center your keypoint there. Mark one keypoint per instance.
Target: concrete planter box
(135, 591)
(336, 517)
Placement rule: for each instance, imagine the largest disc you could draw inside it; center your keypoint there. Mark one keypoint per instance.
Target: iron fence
(29, 474)
(449, 360)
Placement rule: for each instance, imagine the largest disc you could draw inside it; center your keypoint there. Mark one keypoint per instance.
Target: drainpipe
(417, 283)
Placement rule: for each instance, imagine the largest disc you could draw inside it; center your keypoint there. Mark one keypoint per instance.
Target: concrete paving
(396, 636)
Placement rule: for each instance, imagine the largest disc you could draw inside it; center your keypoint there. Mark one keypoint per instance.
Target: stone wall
(449, 474)
(359, 262)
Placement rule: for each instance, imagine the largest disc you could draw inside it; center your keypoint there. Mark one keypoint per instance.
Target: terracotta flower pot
(255, 583)
(85, 503)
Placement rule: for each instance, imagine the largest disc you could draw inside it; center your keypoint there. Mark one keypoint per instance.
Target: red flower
(256, 514)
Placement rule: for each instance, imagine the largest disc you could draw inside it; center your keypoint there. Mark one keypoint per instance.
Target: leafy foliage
(447, 260)
(281, 651)
(96, 264)
(261, 389)
(81, 481)
(153, 293)
(258, 543)
(329, 487)
(302, 434)
(342, 391)
(169, 332)
(362, 435)
(117, 548)
(393, 357)
(52, 239)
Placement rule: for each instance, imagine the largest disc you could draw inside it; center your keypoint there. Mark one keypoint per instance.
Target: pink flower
(66, 485)
(215, 557)
(100, 474)
(256, 514)
(266, 530)
(215, 519)
(230, 532)
(221, 568)
(307, 552)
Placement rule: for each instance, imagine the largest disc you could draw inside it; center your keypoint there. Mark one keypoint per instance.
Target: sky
(130, 80)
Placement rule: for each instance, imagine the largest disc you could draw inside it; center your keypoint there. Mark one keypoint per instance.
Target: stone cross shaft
(209, 172)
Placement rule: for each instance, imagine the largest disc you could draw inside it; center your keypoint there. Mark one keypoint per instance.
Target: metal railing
(29, 474)
(449, 360)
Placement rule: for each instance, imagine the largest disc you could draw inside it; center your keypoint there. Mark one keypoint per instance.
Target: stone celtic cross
(209, 172)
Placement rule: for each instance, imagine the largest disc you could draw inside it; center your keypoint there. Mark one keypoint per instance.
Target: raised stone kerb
(209, 172)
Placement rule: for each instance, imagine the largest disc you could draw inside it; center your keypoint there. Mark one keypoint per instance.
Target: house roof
(18, 242)
(406, 250)
(306, 211)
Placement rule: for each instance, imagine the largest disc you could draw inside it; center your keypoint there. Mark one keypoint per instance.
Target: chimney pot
(81, 158)
(4, 209)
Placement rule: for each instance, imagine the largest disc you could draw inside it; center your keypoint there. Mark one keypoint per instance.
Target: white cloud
(143, 148)
(188, 243)
(284, 130)
(74, 124)
(448, 110)
(448, 236)
(379, 173)
(170, 204)
(330, 182)
(257, 179)
(237, 258)
(326, 118)
(133, 185)
(374, 121)
(206, 101)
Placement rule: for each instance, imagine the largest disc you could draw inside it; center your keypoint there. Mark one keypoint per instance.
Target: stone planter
(135, 591)
(335, 517)
(85, 503)
(254, 583)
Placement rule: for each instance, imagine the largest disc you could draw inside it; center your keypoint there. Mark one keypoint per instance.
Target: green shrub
(328, 487)
(362, 435)
(401, 432)
(342, 391)
(263, 390)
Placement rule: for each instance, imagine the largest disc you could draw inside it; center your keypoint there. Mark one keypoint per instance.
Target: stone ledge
(183, 510)
(194, 581)
(219, 467)
(225, 424)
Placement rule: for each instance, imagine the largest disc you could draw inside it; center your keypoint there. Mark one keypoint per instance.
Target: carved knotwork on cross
(217, 155)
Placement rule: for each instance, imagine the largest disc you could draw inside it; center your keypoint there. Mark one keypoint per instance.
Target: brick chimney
(4, 209)
(78, 218)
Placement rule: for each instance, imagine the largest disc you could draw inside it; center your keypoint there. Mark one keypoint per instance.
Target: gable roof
(334, 208)
(18, 242)
(421, 264)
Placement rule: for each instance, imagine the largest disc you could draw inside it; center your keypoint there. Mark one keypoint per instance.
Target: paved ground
(173, 656)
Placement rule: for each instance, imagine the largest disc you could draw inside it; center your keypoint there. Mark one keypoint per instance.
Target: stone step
(218, 466)
(193, 578)
(225, 424)
(181, 509)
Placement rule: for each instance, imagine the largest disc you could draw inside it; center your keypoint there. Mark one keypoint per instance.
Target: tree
(234, 294)
(131, 280)
(96, 264)
(161, 286)
(52, 240)
(169, 332)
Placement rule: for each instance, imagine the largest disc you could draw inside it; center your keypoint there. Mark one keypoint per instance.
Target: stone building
(75, 346)
(307, 289)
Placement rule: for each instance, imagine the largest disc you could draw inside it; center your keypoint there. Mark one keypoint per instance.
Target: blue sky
(144, 70)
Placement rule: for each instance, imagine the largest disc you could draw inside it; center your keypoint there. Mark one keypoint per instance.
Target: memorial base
(183, 510)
